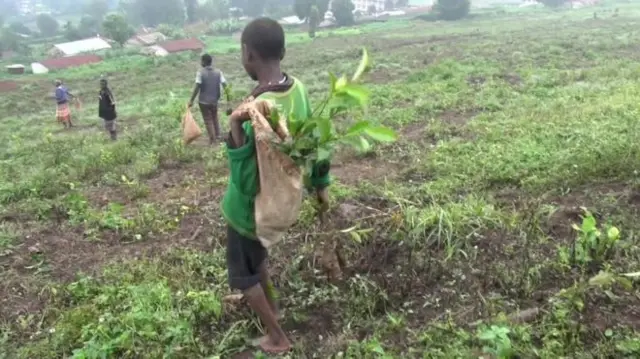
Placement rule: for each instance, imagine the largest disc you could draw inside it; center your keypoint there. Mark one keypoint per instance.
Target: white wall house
(80, 46)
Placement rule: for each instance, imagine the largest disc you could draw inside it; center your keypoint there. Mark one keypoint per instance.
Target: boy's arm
(236, 121)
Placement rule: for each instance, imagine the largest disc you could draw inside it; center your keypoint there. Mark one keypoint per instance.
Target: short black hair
(207, 60)
(266, 37)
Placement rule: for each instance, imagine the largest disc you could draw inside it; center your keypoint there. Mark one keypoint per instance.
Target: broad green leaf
(358, 94)
(364, 66)
(324, 127)
(355, 236)
(332, 80)
(364, 145)
(381, 133)
(358, 127)
(602, 279)
(341, 83)
(323, 154)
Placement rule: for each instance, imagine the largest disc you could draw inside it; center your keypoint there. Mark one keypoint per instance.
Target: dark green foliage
(116, 27)
(343, 12)
(302, 8)
(47, 25)
(191, 6)
(452, 9)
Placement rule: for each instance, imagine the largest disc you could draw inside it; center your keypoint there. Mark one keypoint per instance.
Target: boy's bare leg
(276, 340)
(269, 290)
(322, 195)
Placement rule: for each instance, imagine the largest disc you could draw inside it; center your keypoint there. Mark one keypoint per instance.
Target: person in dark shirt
(107, 109)
(209, 84)
(63, 112)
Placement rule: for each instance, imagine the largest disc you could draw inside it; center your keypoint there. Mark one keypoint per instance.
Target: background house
(15, 69)
(174, 46)
(47, 65)
(78, 47)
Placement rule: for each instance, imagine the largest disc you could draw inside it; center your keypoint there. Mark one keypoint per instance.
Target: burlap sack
(279, 200)
(190, 129)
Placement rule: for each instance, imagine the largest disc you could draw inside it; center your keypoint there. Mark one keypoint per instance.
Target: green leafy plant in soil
(315, 140)
(592, 246)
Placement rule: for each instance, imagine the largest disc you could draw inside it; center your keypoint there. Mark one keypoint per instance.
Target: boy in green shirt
(262, 50)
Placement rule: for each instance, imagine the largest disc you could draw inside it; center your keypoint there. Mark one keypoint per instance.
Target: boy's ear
(282, 54)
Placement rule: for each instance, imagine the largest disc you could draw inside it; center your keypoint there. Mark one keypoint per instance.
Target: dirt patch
(8, 86)
(511, 79)
(352, 169)
(458, 118)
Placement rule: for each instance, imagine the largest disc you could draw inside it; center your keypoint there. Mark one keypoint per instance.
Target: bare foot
(268, 346)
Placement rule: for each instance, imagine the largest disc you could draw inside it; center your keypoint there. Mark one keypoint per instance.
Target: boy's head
(103, 83)
(57, 83)
(262, 42)
(206, 60)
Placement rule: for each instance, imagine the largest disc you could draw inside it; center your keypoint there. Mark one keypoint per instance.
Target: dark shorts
(244, 257)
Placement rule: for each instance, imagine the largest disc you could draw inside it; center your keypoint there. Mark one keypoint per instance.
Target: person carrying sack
(263, 47)
(209, 84)
(63, 112)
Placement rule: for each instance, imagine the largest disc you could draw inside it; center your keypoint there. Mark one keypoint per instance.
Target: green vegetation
(116, 28)
(502, 222)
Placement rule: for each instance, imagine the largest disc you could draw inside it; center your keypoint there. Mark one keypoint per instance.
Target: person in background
(209, 83)
(63, 112)
(107, 109)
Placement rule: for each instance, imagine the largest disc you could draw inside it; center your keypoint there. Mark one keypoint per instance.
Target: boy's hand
(240, 115)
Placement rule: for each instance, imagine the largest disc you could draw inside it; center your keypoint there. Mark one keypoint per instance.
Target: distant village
(152, 42)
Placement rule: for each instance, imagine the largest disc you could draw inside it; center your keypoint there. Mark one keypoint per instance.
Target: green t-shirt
(238, 204)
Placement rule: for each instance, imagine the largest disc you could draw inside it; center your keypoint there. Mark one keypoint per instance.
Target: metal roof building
(80, 46)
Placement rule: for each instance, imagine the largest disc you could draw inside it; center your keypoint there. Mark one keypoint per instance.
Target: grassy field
(511, 127)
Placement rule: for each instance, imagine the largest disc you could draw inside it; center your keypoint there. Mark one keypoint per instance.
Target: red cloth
(63, 114)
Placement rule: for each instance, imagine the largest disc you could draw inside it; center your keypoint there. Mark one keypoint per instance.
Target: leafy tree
(191, 6)
(452, 9)
(116, 27)
(70, 32)
(314, 21)
(10, 41)
(343, 12)
(88, 26)
(402, 3)
(97, 9)
(371, 9)
(302, 8)
(47, 24)
(19, 28)
(1, 21)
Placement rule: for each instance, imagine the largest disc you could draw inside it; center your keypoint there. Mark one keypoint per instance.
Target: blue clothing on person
(62, 95)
